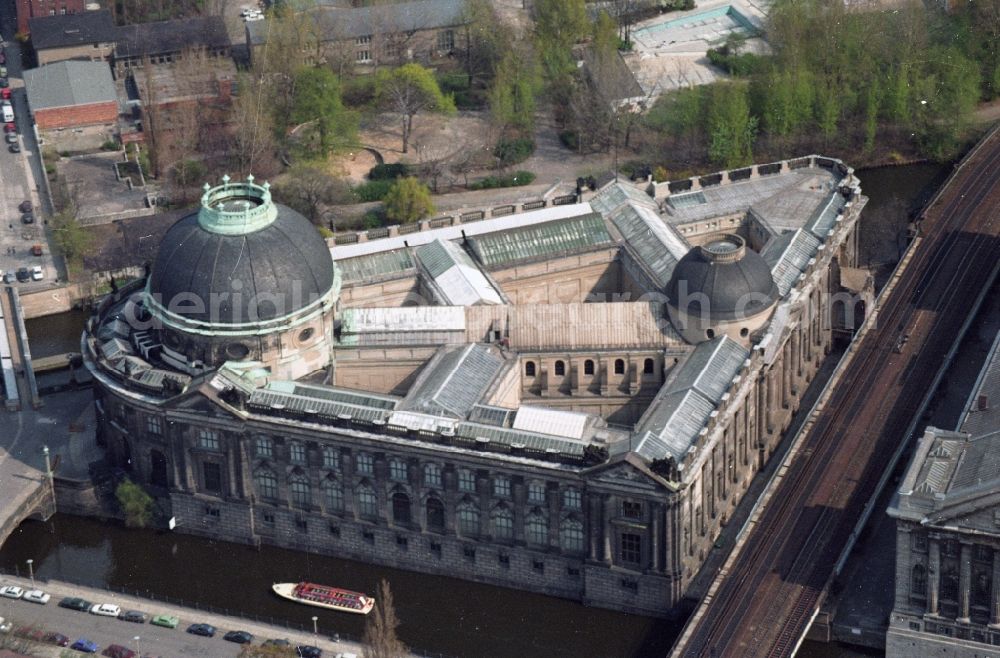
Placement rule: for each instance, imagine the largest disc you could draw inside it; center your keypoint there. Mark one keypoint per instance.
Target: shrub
(110, 145)
(374, 190)
(136, 504)
(372, 219)
(389, 171)
(453, 82)
(408, 201)
(359, 91)
(570, 139)
(513, 151)
(517, 179)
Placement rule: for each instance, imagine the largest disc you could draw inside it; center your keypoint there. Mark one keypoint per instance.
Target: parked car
(3, 71)
(85, 646)
(70, 602)
(27, 218)
(14, 147)
(239, 637)
(118, 651)
(57, 639)
(3, 57)
(23, 274)
(37, 596)
(9, 127)
(5, 626)
(37, 250)
(307, 651)
(10, 138)
(4, 83)
(31, 633)
(8, 277)
(103, 609)
(167, 621)
(37, 274)
(25, 206)
(206, 630)
(11, 591)
(5, 93)
(133, 616)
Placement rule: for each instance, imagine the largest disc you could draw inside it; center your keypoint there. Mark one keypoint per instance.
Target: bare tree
(310, 190)
(380, 640)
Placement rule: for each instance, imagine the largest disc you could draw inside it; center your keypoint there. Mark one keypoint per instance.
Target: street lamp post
(315, 628)
(48, 473)
(138, 651)
(31, 573)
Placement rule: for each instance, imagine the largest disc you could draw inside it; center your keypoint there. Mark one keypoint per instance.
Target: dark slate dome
(735, 281)
(260, 260)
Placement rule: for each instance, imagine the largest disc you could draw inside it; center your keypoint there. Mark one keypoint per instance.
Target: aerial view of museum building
(570, 400)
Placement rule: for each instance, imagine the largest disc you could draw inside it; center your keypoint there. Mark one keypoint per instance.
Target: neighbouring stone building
(89, 36)
(390, 33)
(505, 400)
(947, 515)
(28, 9)
(72, 94)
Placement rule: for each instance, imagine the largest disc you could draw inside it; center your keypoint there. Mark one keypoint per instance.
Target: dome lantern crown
(236, 208)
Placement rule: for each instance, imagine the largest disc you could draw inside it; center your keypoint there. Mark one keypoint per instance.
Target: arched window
(648, 367)
(619, 366)
(432, 475)
(299, 487)
(468, 519)
(502, 523)
(367, 501)
(333, 495)
(400, 508)
(537, 529)
(588, 367)
(435, 514)
(529, 369)
(267, 484)
(560, 368)
(918, 583)
(571, 535)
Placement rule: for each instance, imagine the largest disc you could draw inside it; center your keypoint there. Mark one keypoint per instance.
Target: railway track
(774, 585)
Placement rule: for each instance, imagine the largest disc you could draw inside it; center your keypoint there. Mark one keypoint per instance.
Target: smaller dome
(722, 281)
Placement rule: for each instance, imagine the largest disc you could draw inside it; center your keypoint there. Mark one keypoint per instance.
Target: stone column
(657, 512)
(933, 575)
(995, 590)
(964, 582)
(594, 526)
(609, 508)
(769, 400)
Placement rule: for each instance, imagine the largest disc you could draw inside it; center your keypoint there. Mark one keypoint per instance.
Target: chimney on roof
(983, 403)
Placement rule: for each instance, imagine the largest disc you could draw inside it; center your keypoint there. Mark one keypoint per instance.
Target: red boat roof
(313, 590)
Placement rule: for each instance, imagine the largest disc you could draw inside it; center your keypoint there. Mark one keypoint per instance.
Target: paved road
(153, 640)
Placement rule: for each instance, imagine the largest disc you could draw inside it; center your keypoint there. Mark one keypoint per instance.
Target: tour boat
(322, 596)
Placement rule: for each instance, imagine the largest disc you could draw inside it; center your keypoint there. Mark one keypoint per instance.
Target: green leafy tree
(731, 128)
(512, 95)
(407, 201)
(487, 40)
(409, 90)
(559, 24)
(604, 36)
(380, 639)
(71, 240)
(135, 503)
(317, 100)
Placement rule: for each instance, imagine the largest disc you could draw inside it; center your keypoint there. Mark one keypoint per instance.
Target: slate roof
(72, 29)
(173, 36)
(69, 84)
(453, 381)
(339, 23)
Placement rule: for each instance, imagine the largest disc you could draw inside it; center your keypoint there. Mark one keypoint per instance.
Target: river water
(438, 614)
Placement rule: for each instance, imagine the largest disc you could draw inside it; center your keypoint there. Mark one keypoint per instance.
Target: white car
(11, 591)
(37, 273)
(105, 610)
(37, 596)
(5, 626)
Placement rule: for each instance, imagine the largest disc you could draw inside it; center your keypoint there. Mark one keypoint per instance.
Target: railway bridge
(798, 536)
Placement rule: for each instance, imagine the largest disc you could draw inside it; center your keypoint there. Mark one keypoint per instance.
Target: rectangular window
(446, 40)
(264, 448)
(331, 458)
(154, 425)
(435, 548)
(469, 553)
(363, 56)
(432, 475)
(501, 486)
(301, 525)
(630, 585)
(213, 477)
(368, 536)
(297, 453)
(571, 499)
(536, 492)
(212, 511)
(572, 571)
(366, 464)
(919, 541)
(632, 510)
(392, 50)
(268, 518)
(334, 530)
(538, 566)
(504, 559)
(363, 41)
(467, 481)
(208, 439)
(631, 548)
(398, 470)
(402, 542)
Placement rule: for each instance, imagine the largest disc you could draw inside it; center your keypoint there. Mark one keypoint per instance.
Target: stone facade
(613, 517)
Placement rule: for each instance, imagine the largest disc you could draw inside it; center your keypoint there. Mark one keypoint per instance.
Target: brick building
(520, 400)
(71, 94)
(28, 9)
(87, 36)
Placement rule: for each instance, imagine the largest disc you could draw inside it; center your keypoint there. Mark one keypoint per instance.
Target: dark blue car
(84, 645)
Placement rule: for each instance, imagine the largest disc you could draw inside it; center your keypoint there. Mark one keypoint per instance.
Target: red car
(3, 58)
(57, 639)
(118, 651)
(9, 128)
(5, 93)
